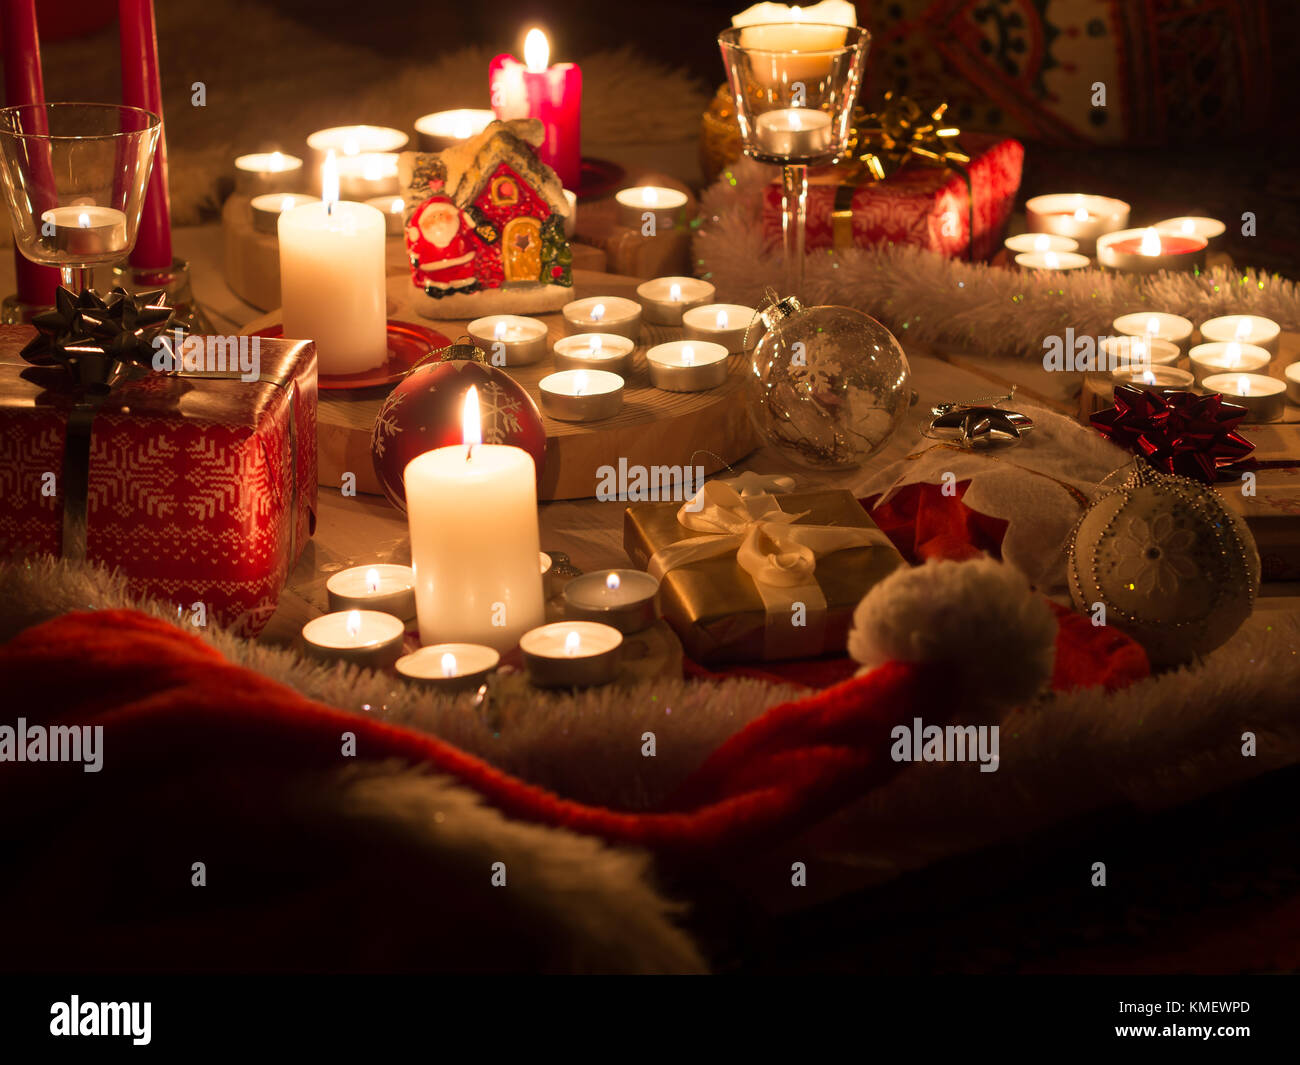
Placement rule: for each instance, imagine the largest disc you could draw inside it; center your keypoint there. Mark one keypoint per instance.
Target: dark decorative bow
(884, 140)
(978, 426)
(1177, 432)
(97, 339)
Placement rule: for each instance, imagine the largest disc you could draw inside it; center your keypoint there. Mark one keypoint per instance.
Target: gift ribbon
(779, 555)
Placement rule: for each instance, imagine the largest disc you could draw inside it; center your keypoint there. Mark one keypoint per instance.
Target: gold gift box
(714, 606)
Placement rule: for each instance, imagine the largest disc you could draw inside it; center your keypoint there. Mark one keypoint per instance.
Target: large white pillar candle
(472, 512)
(332, 281)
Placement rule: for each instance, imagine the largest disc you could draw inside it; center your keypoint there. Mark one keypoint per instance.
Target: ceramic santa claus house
(485, 226)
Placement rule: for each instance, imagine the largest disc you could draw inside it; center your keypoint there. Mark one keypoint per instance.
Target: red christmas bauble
(424, 412)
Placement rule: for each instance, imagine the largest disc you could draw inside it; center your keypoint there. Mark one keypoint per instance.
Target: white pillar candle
(332, 282)
(384, 586)
(687, 365)
(665, 298)
(621, 598)
(1073, 214)
(1171, 327)
(1121, 353)
(267, 172)
(595, 351)
(1154, 378)
(724, 323)
(472, 513)
(604, 314)
(571, 654)
(794, 133)
(443, 129)
(1052, 260)
(581, 395)
(1040, 242)
(393, 209)
(645, 204)
(450, 667)
(1219, 357)
(268, 208)
(1244, 329)
(85, 232)
(366, 638)
(509, 339)
(1263, 397)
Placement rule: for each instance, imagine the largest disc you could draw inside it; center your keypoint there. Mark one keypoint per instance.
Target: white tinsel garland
(924, 296)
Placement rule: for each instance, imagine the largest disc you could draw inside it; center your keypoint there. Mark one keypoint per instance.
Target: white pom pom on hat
(979, 621)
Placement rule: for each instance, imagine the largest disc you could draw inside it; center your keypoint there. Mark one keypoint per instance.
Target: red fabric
(165, 697)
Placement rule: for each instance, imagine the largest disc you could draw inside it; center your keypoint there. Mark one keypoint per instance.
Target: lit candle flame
(397, 206)
(1052, 260)
(1150, 243)
(688, 356)
(722, 319)
(1189, 227)
(1232, 355)
(354, 623)
(795, 121)
(571, 644)
(675, 292)
(351, 147)
(499, 330)
(1243, 386)
(448, 665)
(580, 382)
(276, 162)
(1148, 378)
(1153, 326)
(598, 312)
(1243, 329)
(1139, 351)
(1081, 214)
(286, 203)
(537, 51)
(372, 581)
(470, 426)
(329, 180)
(462, 127)
(372, 167)
(1041, 242)
(83, 220)
(595, 344)
(612, 582)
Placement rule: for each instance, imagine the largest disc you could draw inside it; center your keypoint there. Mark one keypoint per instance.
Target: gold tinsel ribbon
(882, 142)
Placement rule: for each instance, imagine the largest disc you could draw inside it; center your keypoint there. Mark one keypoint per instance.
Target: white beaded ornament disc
(1173, 568)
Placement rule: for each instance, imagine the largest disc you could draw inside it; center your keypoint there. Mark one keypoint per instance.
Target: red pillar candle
(141, 88)
(24, 85)
(551, 94)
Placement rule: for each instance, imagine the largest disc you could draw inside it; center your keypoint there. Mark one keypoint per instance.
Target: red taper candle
(141, 88)
(24, 85)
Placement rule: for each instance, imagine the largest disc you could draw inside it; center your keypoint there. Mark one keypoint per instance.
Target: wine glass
(795, 85)
(74, 178)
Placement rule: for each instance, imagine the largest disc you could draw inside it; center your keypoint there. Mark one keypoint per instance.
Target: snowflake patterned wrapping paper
(199, 489)
(920, 206)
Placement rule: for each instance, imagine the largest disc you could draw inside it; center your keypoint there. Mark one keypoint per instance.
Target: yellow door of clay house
(522, 247)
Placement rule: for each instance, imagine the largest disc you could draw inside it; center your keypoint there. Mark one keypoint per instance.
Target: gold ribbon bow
(780, 556)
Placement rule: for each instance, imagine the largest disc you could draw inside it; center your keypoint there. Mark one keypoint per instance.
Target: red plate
(408, 343)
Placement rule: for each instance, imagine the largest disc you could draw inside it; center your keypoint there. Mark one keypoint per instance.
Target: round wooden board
(655, 428)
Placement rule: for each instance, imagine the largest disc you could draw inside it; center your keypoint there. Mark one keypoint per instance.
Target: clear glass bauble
(829, 385)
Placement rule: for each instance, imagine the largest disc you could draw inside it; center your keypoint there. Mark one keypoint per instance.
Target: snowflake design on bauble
(386, 424)
(499, 412)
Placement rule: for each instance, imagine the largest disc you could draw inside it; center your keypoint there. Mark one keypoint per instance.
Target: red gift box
(201, 487)
(921, 206)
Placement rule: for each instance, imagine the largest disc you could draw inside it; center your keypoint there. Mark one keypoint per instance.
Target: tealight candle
(268, 207)
(510, 339)
(1040, 242)
(267, 172)
(1144, 251)
(666, 298)
(622, 598)
(571, 654)
(1208, 229)
(1121, 353)
(1244, 329)
(1074, 214)
(1226, 357)
(394, 211)
(366, 638)
(442, 129)
(595, 351)
(450, 667)
(385, 587)
(724, 323)
(604, 314)
(687, 365)
(1171, 327)
(351, 141)
(1292, 374)
(636, 207)
(581, 395)
(1263, 397)
(1052, 260)
(368, 176)
(85, 230)
(793, 133)
(1154, 378)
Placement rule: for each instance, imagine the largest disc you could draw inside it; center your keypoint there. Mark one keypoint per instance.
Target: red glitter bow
(1177, 432)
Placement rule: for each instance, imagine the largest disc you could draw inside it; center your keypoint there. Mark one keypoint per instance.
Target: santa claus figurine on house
(439, 241)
